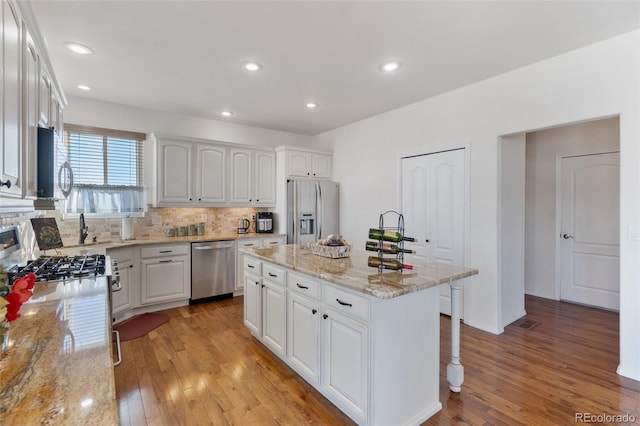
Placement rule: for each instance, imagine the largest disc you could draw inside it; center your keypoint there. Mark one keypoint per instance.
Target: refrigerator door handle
(319, 210)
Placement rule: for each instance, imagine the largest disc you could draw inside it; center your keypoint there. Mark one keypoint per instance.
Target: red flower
(23, 286)
(13, 307)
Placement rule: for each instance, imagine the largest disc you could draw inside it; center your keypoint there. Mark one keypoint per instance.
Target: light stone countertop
(100, 247)
(353, 273)
(58, 367)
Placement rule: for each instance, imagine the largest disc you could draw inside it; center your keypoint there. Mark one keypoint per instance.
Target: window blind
(107, 169)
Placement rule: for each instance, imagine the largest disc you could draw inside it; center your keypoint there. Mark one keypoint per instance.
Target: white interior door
(589, 256)
(433, 205)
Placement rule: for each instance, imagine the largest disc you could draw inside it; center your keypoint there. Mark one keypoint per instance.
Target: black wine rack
(392, 214)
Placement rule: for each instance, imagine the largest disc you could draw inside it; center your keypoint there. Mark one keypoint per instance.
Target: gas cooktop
(57, 268)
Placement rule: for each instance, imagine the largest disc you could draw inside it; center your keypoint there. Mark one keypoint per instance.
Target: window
(107, 171)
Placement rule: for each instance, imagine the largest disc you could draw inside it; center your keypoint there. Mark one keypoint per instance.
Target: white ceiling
(186, 56)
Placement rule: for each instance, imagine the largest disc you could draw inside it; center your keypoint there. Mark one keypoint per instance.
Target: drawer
(165, 250)
(347, 302)
(272, 273)
(249, 243)
(252, 265)
(273, 241)
(304, 285)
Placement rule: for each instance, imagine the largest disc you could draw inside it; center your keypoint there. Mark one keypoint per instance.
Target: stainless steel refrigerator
(312, 210)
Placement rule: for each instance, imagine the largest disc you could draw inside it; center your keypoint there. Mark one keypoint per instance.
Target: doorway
(433, 202)
(529, 226)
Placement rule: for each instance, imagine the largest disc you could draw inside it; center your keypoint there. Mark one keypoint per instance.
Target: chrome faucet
(83, 230)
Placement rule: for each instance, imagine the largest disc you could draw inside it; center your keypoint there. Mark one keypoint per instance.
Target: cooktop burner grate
(53, 268)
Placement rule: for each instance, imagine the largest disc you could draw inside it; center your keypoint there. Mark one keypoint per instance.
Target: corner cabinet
(165, 273)
(253, 177)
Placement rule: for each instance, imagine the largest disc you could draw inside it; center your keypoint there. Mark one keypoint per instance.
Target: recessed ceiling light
(84, 87)
(79, 48)
(390, 66)
(226, 113)
(311, 105)
(252, 66)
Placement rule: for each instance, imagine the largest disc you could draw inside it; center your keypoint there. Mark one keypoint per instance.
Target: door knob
(567, 236)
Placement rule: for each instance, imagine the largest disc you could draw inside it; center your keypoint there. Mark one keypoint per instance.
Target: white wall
(601, 80)
(543, 147)
(122, 117)
(511, 239)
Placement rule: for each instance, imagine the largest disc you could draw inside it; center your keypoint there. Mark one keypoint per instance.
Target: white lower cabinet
(124, 260)
(274, 311)
(165, 273)
(303, 336)
(252, 243)
(253, 303)
(345, 362)
(376, 359)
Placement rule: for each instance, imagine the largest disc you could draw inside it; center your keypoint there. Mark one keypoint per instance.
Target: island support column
(455, 370)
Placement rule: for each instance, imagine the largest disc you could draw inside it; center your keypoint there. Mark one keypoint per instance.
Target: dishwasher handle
(212, 246)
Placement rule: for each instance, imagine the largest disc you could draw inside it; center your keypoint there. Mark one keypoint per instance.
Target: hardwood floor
(204, 367)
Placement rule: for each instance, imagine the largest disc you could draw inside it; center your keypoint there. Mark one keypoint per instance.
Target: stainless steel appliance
(312, 210)
(85, 270)
(264, 222)
(213, 266)
(243, 226)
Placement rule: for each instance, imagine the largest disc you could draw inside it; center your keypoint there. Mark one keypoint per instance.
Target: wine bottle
(375, 234)
(387, 263)
(386, 247)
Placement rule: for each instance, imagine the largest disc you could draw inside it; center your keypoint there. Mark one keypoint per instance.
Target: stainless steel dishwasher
(213, 266)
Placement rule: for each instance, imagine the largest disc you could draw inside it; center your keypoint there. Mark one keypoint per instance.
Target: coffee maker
(264, 222)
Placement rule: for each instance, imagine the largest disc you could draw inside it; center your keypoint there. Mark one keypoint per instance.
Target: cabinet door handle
(273, 275)
(250, 266)
(273, 242)
(165, 251)
(249, 245)
(302, 287)
(7, 183)
(325, 316)
(165, 261)
(314, 311)
(343, 303)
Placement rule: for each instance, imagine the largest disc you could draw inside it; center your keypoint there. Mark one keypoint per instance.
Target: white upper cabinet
(241, 176)
(11, 122)
(211, 174)
(265, 178)
(174, 171)
(308, 164)
(30, 124)
(253, 177)
(195, 173)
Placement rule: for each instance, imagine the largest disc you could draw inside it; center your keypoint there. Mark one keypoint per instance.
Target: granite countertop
(352, 272)
(100, 247)
(58, 367)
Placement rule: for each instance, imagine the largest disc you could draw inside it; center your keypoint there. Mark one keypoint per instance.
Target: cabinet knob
(199, 199)
(262, 285)
(314, 174)
(7, 183)
(307, 173)
(190, 199)
(257, 201)
(257, 282)
(314, 311)
(325, 316)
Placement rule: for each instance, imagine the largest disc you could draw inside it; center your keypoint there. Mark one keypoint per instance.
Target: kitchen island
(57, 367)
(368, 341)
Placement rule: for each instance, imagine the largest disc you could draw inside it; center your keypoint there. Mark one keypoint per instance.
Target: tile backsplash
(152, 225)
